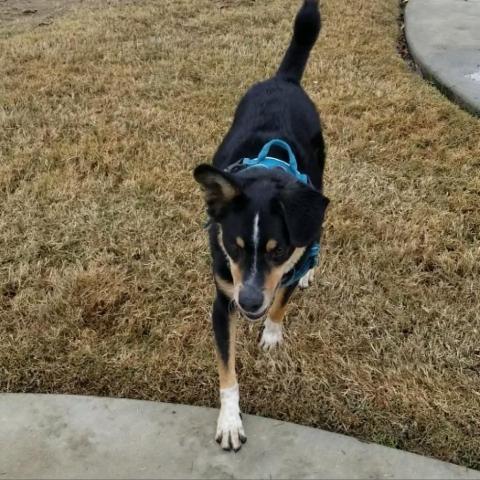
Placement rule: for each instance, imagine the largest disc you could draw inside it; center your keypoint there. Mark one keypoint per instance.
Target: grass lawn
(105, 285)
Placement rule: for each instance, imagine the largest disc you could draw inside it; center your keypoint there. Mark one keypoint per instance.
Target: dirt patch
(402, 45)
(21, 15)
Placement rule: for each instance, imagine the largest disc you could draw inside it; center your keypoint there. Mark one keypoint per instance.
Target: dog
(265, 210)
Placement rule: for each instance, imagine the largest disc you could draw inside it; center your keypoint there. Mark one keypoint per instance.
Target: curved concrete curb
(60, 436)
(444, 39)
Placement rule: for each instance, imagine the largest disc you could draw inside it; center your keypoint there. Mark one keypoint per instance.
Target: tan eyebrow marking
(240, 242)
(271, 244)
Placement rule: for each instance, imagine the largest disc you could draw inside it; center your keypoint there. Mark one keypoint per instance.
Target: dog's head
(266, 220)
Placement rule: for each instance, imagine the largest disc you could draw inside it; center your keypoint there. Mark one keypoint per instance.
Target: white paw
(230, 433)
(272, 335)
(307, 279)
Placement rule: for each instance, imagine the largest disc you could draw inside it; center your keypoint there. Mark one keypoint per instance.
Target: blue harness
(309, 259)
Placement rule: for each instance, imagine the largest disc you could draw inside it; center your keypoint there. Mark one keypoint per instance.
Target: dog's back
(280, 108)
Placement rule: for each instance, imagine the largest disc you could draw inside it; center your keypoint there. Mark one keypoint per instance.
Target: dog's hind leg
(230, 433)
(307, 279)
(272, 334)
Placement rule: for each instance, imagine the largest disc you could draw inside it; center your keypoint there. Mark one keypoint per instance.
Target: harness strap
(307, 261)
(264, 161)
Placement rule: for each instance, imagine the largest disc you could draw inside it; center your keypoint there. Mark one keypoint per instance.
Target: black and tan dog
(265, 221)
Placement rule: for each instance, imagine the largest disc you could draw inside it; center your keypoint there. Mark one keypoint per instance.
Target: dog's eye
(278, 252)
(234, 249)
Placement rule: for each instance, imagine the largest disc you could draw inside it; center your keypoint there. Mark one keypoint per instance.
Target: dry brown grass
(104, 280)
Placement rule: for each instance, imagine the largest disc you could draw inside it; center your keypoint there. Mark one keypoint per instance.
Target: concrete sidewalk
(57, 436)
(443, 37)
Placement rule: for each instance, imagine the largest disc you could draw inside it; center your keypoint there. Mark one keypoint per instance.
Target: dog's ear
(220, 188)
(303, 209)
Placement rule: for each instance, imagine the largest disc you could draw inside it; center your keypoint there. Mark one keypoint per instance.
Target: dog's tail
(305, 33)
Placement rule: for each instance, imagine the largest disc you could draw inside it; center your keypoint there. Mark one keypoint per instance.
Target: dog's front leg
(272, 334)
(230, 433)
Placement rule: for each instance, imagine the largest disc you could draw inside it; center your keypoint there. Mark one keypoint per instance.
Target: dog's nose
(250, 299)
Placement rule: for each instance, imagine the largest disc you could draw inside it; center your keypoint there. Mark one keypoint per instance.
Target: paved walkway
(444, 39)
(60, 436)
